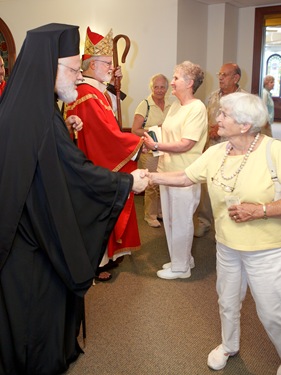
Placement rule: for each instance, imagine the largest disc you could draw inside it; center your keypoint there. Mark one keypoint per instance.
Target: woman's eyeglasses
(226, 188)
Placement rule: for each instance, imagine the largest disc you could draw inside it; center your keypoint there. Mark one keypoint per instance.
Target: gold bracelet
(265, 217)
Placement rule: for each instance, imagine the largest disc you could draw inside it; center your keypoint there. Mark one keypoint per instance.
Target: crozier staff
(247, 219)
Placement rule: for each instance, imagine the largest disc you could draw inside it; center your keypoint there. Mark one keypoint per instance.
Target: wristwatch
(155, 147)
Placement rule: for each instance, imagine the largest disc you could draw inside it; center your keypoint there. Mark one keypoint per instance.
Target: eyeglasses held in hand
(226, 188)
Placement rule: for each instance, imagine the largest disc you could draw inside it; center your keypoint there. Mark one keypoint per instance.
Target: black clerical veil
(70, 202)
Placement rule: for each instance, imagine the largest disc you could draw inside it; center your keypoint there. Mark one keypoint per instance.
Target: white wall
(150, 25)
(223, 24)
(230, 33)
(215, 45)
(162, 33)
(246, 45)
(192, 36)
(230, 38)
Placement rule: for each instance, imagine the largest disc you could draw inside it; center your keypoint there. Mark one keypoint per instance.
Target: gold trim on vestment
(129, 157)
(85, 98)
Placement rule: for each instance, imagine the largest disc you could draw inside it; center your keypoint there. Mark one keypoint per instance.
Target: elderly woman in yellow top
(247, 219)
(184, 134)
(149, 113)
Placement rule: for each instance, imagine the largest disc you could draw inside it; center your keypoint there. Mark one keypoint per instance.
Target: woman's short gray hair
(268, 79)
(159, 75)
(246, 108)
(191, 71)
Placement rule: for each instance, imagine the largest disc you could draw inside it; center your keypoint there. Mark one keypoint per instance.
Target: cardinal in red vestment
(101, 138)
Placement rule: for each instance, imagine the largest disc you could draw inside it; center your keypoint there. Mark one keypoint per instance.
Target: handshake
(141, 180)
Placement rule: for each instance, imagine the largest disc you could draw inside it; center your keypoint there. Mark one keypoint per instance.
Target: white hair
(246, 108)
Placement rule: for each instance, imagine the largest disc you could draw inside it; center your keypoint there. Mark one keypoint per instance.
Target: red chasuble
(105, 145)
(2, 86)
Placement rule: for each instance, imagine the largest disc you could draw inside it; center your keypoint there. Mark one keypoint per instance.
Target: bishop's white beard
(67, 94)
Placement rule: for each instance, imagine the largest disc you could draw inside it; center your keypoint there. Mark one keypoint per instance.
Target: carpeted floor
(138, 324)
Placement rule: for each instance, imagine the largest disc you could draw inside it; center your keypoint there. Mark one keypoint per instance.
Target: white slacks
(261, 270)
(178, 206)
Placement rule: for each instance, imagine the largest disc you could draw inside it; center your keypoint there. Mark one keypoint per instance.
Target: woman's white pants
(261, 270)
(178, 206)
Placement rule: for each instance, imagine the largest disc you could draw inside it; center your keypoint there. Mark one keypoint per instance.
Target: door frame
(260, 13)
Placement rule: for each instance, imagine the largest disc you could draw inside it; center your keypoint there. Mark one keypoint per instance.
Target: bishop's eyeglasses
(75, 71)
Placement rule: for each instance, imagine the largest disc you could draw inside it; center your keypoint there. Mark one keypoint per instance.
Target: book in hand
(152, 134)
(156, 135)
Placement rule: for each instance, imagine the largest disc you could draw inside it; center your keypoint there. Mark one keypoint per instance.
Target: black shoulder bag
(147, 113)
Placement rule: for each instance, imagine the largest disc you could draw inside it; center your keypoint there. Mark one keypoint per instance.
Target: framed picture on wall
(7, 47)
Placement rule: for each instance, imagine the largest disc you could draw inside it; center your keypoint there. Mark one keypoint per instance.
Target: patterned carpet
(138, 324)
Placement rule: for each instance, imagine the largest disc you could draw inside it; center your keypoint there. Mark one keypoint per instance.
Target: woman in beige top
(152, 112)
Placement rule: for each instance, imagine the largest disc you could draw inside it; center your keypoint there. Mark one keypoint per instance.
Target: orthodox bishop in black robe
(56, 212)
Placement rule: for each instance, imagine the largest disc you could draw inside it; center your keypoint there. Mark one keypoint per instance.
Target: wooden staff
(117, 80)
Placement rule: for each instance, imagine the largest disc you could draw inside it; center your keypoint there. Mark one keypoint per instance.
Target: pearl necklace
(243, 163)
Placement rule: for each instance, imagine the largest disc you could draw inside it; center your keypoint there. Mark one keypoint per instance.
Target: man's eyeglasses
(109, 64)
(223, 75)
(75, 71)
(226, 188)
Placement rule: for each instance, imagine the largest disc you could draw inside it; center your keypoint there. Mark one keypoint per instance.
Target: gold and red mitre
(97, 45)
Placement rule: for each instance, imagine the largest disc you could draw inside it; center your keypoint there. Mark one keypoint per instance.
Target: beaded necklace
(244, 161)
(236, 173)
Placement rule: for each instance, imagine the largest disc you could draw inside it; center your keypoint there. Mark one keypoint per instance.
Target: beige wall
(192, 36)
(162, 33)
(225, 34)
(223, 20)
(245, 45)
